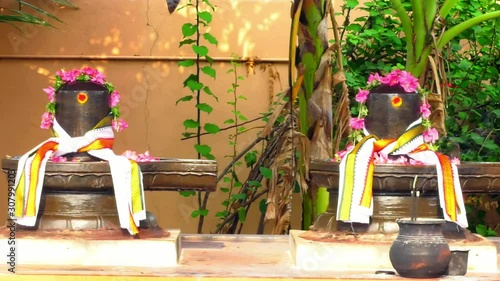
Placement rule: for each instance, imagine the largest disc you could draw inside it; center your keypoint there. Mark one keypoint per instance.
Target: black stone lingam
(386, 120)
(81, 105)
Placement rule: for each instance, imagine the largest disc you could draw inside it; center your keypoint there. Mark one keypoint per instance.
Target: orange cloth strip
(30, 209)
(449, 187)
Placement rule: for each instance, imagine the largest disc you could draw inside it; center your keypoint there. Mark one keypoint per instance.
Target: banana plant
(312, 57)
(420, 24)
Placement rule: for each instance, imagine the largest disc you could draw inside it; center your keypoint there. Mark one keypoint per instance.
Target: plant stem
(232, 215)
(198, 111)
(232, 126)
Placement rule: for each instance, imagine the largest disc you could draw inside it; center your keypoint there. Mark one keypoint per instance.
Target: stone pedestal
(330, 251)
(151, 248)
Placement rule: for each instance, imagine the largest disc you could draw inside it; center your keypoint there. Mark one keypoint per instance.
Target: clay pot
(420, 250)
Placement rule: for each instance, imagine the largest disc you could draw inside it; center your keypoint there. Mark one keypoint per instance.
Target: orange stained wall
(136, 44)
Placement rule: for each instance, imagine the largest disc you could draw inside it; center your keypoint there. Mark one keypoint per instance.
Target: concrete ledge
(157, 248)
(371, 252)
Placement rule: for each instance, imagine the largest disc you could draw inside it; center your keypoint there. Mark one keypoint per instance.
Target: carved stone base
(328, 251)
(151, 248)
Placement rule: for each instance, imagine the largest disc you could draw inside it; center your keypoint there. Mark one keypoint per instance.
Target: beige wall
(140, 42)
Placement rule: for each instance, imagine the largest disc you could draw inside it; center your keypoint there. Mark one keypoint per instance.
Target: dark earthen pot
(420, 250)
(80, 106)
(391, 110)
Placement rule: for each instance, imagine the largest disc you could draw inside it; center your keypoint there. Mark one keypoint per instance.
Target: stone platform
(218, 257)
(152, 247)
(319, 250)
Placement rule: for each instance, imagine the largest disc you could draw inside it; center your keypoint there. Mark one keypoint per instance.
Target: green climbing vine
(196, 36)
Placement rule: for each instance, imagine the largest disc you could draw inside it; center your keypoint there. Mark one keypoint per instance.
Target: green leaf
(187, 193)
(239, 196)
(188, 29)
(263, 206)
(191, 77)
(200, 50)
(254, 183)
(251, 158)
(226, 179)
(229, 121)
(208, 91)
(351, 4)
(205, 16)
(186, 42)
(224, 189)
(210, 38)
(194, 85)
(211, 128)
(222, 214)
(204, 107)
(186, 63)
(195, 214)
(184, 98)
(209, 71)
(209, 4)
(242, 214)
(496, 112)
(267, 173)
(202, 149)
(190, 124)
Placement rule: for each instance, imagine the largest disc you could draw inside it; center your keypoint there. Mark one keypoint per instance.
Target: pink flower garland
(85, 74)
(410, 85)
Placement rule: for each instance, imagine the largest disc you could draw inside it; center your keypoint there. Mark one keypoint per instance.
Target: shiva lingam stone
(80, 106)
(391, 192)
(393, 183)
(78, 194)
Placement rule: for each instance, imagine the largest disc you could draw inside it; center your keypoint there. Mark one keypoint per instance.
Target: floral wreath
(410, 85)
(86, 74)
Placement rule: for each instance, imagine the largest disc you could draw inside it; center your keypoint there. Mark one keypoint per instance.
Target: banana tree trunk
(313, 58)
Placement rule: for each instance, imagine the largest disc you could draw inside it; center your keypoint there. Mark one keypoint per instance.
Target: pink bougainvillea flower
(341, 154)
(130, 154)
(51, 93)
(380, 158)
(455, 161)
(59, 159)
(119, 125)
(98, 78)
(114, 99)
(357, 123)
(408, 82)
(431, 135)
(416, 162)
(362, 95)
(47, 119)
(139, 157)
(392, 78)
(374, 77)
(425, 110)
(69, 76)
(89, 71)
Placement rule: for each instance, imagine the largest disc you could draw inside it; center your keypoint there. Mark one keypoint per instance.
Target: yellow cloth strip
(366, 199)
(407, 136)
(35, 176)
(20, 193)
(136, 188)
(450, 199)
